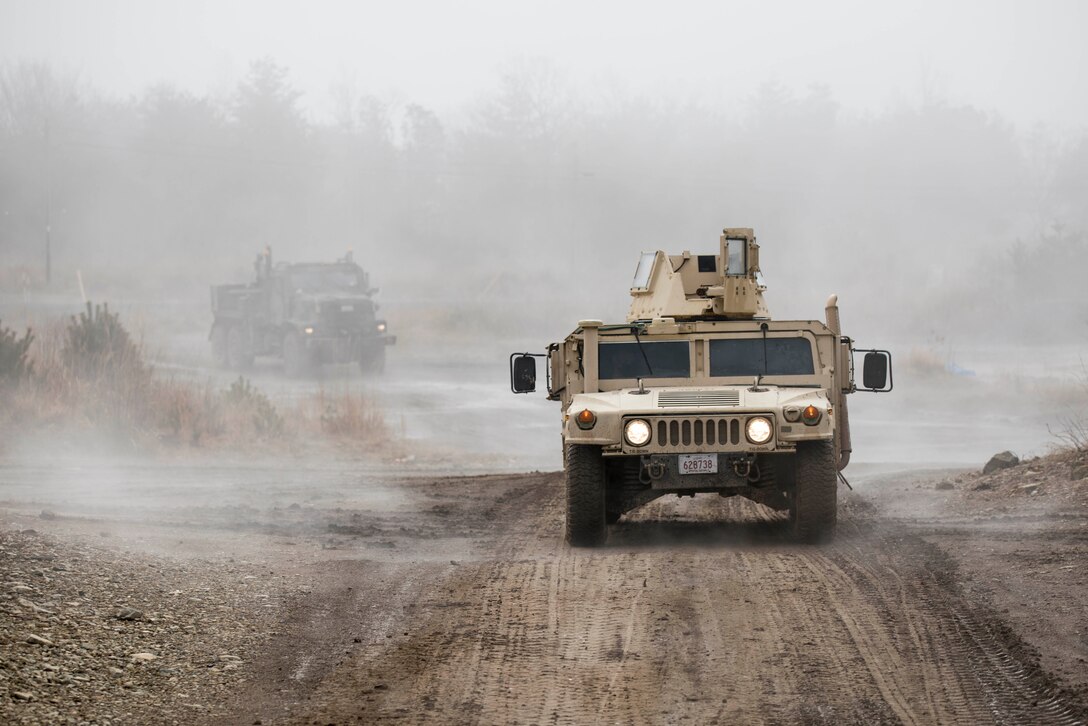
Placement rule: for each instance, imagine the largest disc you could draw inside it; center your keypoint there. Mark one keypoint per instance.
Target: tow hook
(742, 468)
(746, 469)
(654, 470)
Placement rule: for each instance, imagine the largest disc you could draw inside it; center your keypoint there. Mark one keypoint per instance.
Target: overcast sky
(1024, 60)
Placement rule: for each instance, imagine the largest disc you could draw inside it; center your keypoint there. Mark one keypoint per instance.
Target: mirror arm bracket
(887, 356)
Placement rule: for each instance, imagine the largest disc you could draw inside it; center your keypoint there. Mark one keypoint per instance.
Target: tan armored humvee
(701, 391)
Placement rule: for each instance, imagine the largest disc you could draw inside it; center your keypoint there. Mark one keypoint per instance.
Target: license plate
(698, 463)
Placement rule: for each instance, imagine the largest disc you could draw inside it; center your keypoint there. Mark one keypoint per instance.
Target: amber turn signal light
(586, 419)
(810, 415)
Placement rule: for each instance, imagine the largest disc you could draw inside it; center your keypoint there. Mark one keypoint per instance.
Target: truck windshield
(744, 357)
(668, 359)
(325, 280)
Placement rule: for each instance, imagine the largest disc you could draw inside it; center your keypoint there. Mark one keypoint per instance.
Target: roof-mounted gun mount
(725, 286)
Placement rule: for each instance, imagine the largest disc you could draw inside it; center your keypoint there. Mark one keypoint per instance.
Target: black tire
(585, 496)
(815, 501)
(297, 360)
(373, 361)
(219, 344)
(239, 355)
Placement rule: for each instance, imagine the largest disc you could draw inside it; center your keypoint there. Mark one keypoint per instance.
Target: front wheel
(814, 504)
(296, 357)
(219, 345)
(239, 354)
(373, 361)
(585, 496)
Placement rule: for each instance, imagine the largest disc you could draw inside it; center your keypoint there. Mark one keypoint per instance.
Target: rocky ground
(90, 634)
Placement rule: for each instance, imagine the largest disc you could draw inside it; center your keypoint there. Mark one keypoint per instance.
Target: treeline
(537, 190)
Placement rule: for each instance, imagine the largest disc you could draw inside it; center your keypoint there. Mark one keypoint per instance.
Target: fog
(204, 518)
(498, 169)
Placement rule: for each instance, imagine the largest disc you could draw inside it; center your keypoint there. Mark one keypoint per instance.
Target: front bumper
(734, 470)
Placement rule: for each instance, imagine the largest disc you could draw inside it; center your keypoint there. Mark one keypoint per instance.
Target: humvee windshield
(744, 357)
(325, 280)
(668, 359)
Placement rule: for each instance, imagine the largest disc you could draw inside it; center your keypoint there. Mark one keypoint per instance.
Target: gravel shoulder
(90, 634)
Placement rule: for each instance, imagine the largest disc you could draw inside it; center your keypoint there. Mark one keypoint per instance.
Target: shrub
(245, 397)
(1073, 427)
(14, 363)
(187, 412)
(97, 346)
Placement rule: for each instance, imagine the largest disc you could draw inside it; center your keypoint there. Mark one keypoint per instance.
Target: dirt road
(698, 613)
(438, 600)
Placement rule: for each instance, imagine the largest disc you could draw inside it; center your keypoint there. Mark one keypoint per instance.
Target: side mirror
(522, 373)
(876, 371)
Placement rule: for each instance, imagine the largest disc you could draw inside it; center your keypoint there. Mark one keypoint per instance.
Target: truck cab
(308, 314)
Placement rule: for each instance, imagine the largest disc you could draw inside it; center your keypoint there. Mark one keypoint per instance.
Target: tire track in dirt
(967, 673)
(699, 611)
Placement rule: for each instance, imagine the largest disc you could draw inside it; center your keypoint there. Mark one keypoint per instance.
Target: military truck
(701, 391)
(305, 313)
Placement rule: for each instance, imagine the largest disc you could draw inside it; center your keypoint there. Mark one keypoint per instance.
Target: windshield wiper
(638, 341)
(763, 327)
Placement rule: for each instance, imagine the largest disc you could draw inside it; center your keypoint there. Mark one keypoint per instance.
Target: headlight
(308, 331)
(758, 429)
(381, 327)
(637, 432)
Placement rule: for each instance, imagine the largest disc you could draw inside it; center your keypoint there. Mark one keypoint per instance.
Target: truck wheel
(585, 496)
(373, 361)
(239, 356)
(219, 345)
(814, 504)
(296, 359)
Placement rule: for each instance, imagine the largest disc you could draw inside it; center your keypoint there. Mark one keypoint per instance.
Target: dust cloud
(499, 185)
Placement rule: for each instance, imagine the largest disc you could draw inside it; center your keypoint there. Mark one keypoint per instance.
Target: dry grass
(89, 378)
(1072, 427)
(348, 415)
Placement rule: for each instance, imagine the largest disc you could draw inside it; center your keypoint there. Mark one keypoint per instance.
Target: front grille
(696, 432)
(689, 434)
(359, 315)
(671, 399)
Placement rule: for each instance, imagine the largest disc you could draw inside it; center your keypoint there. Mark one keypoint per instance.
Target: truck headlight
(381, 327)
(758, 429)
(637, 432)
